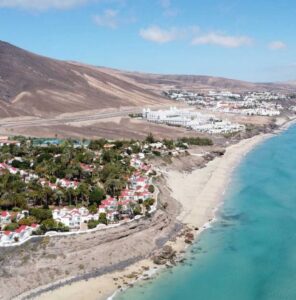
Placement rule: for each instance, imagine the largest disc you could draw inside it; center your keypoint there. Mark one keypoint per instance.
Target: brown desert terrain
(40, 96)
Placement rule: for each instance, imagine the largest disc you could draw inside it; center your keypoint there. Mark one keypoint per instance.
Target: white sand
(201, 191)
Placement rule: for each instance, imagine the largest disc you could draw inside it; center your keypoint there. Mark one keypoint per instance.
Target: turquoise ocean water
(249, 253)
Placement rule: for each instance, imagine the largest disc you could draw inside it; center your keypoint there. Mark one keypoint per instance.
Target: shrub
(40, 214)
(20, 164)
(27, 221)
(11, 227)
(137, 210)
(93, 209)
(103, 218)
(151, 189)
(92, 224)
(51, 224)
(149, 202)
(197, 141)
(150, 138)
(156, 153)
(168, 143)
(97, 195)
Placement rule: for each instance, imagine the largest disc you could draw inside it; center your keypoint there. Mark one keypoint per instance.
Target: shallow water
(250, 251)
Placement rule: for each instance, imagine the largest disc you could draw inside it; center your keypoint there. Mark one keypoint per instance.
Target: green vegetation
(93, 209)
(139, 115)
(150, 138)
(97, 195)
(196, 141)
(12, 191)
(137, 210)
(170, 144)
(109, 173)
(103, 218)
(52, 225)
(148, 203)
(94, 223)
(151, 189)
(28, 221)
(58, 173)
(11, 227)
(40, 214)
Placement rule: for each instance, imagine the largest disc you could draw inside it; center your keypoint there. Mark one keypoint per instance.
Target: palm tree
(61, 196)
(83, 191)
(47, 195)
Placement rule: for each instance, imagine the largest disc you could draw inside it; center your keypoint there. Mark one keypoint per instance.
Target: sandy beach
(199, 192)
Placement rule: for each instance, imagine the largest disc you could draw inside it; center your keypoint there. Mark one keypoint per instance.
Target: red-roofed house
(67, 183)
(86, 168)
(22, 232)
(5, 218)
(6, 237)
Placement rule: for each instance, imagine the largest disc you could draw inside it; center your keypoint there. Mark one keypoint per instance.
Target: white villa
(19, 235)
(73, 218)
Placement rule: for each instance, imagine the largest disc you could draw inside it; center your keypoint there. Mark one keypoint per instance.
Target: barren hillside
(33, 85)
(157, 82)
(36, 85)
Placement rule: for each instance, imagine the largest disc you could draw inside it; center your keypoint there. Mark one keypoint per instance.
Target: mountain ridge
(35, 85)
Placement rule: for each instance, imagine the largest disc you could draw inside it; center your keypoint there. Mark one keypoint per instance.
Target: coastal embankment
(50, 263)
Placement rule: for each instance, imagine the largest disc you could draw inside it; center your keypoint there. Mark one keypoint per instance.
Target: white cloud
(222, 40)
(108, 19)
(277, 45)
(111, 18)
(41, 4)
(159, 35)
(162, 35)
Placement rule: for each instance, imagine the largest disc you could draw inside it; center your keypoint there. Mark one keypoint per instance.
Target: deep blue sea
(249, 253)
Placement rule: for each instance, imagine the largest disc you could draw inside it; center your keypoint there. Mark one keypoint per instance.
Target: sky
(240, 39)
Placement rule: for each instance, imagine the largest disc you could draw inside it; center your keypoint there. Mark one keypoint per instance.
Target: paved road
(62, 120)
(76, 117)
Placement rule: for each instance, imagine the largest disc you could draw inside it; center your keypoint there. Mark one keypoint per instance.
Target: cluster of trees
(171, 144)
(149, 202)
(94, 223)
(98, 145)
(14, 192)
(196, 141)
(109, 176)
(62, 161)
(114, 176)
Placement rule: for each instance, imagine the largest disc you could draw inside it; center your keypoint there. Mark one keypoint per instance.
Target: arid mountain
(157, 82)
(33, 85)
